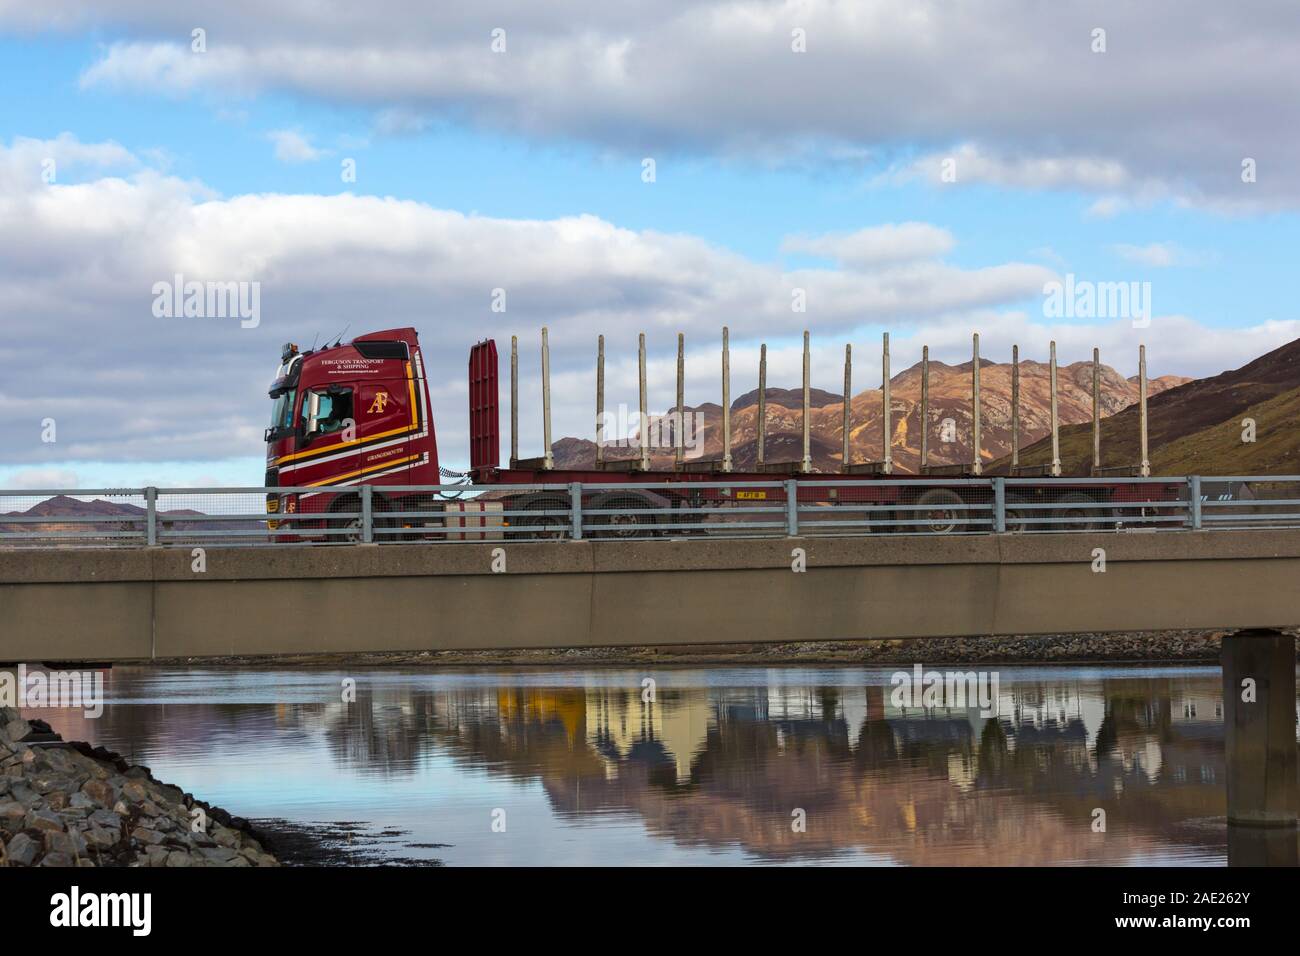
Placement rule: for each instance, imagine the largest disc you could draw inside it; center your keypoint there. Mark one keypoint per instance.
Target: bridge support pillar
(1259, 716)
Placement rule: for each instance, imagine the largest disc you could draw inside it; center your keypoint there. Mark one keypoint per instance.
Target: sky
(923, 168)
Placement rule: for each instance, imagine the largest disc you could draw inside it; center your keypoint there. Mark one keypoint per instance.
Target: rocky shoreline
(1143, 647)
(66, 804)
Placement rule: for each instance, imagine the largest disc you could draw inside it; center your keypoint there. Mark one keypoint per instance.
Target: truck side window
(333, 411)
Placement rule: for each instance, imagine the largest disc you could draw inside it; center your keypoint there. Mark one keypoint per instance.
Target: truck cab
(348, 414)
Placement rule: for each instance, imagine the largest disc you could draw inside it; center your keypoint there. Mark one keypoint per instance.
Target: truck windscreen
(282, 410)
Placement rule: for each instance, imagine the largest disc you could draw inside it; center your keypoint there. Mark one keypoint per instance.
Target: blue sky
(1130, 174)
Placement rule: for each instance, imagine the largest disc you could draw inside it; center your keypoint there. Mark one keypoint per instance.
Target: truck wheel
(1018, 519)
(550, 527)
(941, 517)
(1073, 506)
(351, 527)
(603, 524)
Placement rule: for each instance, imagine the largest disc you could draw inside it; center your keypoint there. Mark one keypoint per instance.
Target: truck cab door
(385, 423)
(327, 436)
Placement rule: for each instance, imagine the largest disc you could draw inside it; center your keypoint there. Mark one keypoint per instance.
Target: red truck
(358, 414)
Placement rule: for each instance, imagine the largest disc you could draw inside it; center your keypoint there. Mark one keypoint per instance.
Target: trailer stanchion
(548, 461)
(806, 465)
(762, 403)
(726, 402)
(575, 510)
(976, 464)
(792, 507)
(887, 427)
(1015, 408)
(1096, 411)
(600, 400)
(680, 454)
(925, 407)
(848, 393)
(514, 401)
(643, 424)
(1144, 469)
(1056, 433)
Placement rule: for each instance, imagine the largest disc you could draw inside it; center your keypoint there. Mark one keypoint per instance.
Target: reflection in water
(712, 769)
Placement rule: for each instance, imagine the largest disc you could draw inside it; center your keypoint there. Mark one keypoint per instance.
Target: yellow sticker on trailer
(752, 495)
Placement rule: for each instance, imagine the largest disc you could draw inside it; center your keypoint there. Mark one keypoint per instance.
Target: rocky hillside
(1197, 426)
(950, 398)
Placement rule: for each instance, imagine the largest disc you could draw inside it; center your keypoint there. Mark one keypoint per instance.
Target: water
(717, 769)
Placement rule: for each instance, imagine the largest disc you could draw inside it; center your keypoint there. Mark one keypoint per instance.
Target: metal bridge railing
(824, 506)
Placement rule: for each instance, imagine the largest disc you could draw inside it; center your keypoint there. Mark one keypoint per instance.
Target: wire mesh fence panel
(825, 508)
(1067, 505)
(94, 518)
(359, 514)
(211, 517)
(1244, 503)
(450, 513)
(951, 507)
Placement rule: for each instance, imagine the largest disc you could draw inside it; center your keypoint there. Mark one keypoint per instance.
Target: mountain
(950, 398)
(1197, 426)
(116, 516)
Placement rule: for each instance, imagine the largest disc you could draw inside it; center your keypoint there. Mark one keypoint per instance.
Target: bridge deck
(118, 605)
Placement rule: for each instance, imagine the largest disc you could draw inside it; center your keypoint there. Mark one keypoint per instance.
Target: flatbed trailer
(382, 373)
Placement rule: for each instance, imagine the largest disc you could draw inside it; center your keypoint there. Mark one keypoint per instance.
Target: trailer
(352, 434)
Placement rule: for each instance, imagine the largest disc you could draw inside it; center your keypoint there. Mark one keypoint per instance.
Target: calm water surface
(710, 772)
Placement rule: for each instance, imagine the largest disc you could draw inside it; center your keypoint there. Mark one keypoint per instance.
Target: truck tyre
(1084, 518)
(350, 526)
(942, 518)
(603, 524)
(1019, 519)
(548, 527)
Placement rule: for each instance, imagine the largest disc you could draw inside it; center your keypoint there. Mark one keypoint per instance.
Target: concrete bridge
(115, 605)
(112, 605)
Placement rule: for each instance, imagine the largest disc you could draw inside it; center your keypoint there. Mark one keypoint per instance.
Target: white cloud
(78, 262)
(1011, 87)
(31, 478)
(1159, 255)
(876, 245)
(1156, 255)
(292, 146)
(969, 163)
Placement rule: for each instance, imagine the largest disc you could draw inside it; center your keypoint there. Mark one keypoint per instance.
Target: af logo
(379, 404)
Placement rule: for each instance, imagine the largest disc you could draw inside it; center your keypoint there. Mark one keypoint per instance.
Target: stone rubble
(66, 804)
